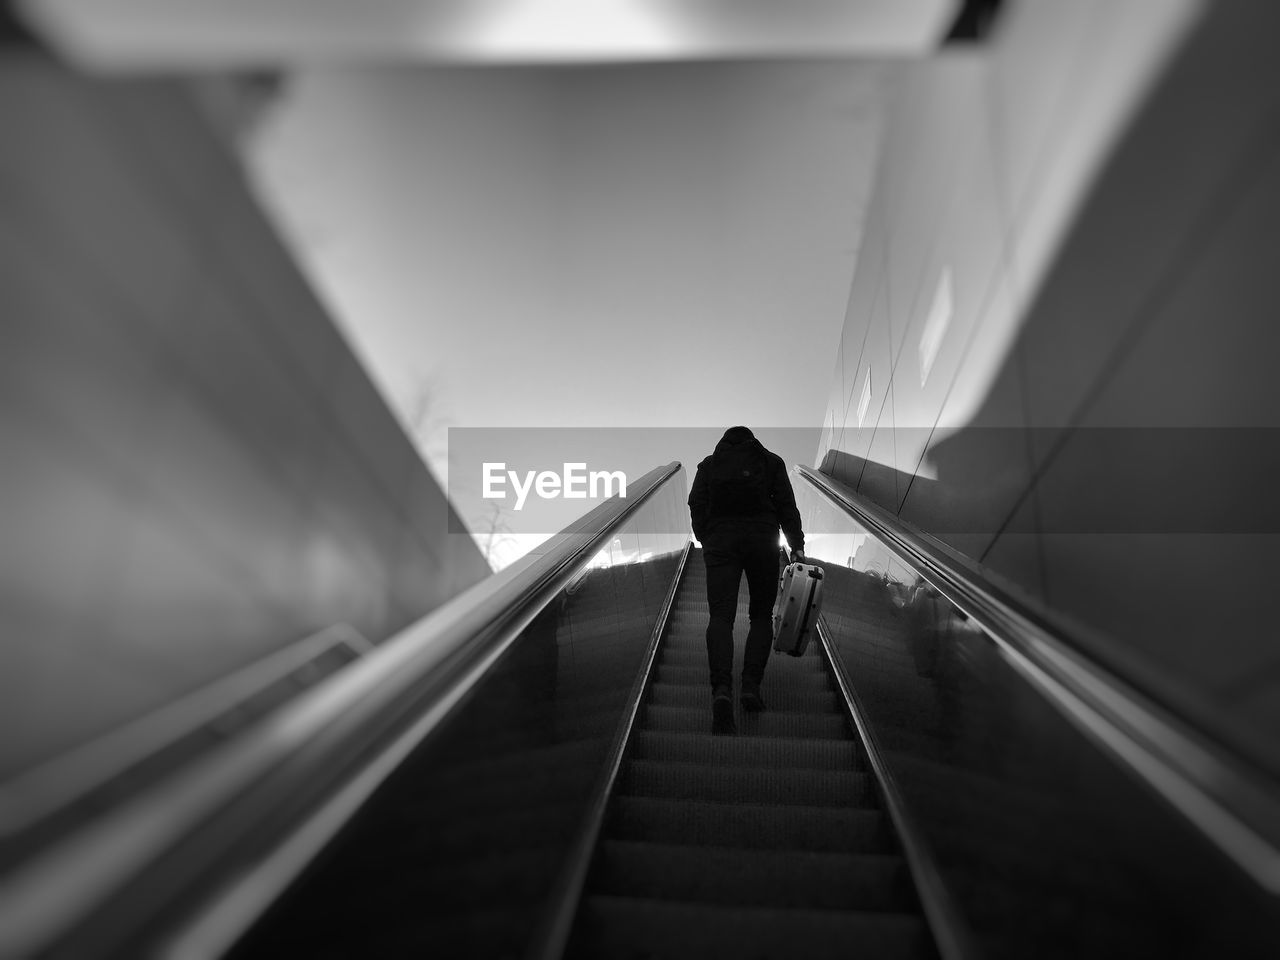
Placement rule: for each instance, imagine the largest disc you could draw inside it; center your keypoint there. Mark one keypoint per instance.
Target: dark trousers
(729, 550)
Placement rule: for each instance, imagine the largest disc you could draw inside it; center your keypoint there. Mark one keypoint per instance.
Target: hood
(738, 439)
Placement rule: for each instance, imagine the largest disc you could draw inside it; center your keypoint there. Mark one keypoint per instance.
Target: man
(740, 497)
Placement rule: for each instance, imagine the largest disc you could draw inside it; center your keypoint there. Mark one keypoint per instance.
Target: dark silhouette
(975, 22)
(740, 497)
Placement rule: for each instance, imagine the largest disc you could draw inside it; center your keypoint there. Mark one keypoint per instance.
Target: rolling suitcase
(795, 611)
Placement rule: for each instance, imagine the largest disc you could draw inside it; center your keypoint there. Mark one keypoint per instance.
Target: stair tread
(699, 676)
(817, 879)
(771, 723)
(631, 926)
(778, 697)
(841, 752)
(696, 657)
(682, 779)
(761, 826)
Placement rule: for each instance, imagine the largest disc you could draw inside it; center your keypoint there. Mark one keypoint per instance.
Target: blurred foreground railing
(188, 863)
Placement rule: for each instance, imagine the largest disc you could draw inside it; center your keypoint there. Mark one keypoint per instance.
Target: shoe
(750, 697)
(722, 714)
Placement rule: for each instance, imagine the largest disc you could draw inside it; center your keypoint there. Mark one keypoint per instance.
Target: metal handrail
(1218, 796)
(195, 859)
(38, 794)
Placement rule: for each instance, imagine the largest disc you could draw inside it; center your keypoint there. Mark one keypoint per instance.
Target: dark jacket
(742, 480)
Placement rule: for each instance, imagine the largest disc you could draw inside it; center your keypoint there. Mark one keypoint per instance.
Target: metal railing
(139, 751)
(1222, 798)
(188, 864)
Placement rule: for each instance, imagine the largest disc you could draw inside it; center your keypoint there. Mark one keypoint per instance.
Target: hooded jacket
(743, 481)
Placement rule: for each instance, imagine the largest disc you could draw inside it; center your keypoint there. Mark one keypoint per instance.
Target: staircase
(769, 843)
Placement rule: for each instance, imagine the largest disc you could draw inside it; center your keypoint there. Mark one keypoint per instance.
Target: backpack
(738, 482)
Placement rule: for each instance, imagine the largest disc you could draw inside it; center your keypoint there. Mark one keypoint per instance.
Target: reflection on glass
(456, 853)
(1048, 847)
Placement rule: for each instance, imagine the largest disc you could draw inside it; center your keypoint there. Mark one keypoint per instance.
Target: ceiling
(216, 34)
(662, 236)
(627, 245)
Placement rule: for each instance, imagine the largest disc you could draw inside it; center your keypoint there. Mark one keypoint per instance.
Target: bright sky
(663, 245)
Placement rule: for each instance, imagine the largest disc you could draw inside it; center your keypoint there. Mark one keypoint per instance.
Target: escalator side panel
(1048, 847)
(455, 853)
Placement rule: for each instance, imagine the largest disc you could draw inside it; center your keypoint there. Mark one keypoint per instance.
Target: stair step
(634, 927)
(697, 615)
(771, 723)
(695, 781)
(692, 622)
(693, 675)
(704, 748)
(772, 878)
(696, 656)
(753, 825)
(777, 697)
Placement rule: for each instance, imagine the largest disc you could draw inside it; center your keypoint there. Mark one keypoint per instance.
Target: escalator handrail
(223, 837)
(1220, 796)
(85, 772)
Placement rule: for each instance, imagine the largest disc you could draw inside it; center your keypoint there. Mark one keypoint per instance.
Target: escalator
(768, 843)
(530, 773)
